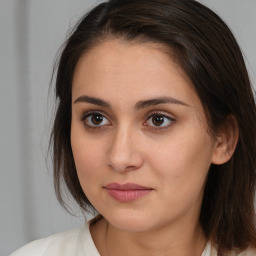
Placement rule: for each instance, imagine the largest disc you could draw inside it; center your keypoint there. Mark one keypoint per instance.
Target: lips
(126, 192)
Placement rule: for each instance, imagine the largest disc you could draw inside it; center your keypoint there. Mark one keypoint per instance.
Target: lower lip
(127, 195)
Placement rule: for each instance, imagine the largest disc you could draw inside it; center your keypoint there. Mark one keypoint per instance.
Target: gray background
(30, 34)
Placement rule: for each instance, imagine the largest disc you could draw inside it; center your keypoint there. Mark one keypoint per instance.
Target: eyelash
(159, 114)
(91, 113)
(149, 116)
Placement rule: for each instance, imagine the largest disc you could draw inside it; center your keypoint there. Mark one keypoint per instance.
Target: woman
(155, 131)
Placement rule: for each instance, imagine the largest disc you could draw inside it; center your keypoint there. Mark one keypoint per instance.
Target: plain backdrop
(31, 32)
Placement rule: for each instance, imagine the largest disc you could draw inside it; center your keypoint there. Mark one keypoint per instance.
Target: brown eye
(158, 120)
(95, 120)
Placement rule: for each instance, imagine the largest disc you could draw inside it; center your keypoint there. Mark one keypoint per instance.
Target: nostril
(124, 163)
(121, 166)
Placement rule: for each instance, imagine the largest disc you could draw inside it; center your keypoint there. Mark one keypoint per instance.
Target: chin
(130, 221)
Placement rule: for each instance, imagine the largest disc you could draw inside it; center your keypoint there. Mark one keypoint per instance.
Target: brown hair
(209, 54)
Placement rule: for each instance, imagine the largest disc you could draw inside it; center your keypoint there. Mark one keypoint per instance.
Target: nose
(123, 152)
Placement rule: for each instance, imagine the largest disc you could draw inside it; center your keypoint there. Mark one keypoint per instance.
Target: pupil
(97, 119)
(158, 120)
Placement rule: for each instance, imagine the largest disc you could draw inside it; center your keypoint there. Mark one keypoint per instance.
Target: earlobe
(226, 141)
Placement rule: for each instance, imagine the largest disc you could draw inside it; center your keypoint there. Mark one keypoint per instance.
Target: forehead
(135, 70)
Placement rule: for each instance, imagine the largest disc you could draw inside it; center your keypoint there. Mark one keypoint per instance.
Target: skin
(126, 147)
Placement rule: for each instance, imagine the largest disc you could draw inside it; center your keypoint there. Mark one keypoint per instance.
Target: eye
(159, 120)
(95, 120)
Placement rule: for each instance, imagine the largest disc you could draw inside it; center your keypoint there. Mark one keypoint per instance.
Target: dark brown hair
(209, 54)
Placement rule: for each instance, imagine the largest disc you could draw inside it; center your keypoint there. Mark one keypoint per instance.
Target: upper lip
(126, 186)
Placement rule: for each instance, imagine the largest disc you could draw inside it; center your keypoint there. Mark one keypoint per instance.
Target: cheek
(181, 175)
(88, 163)
(182, 163)
(88, 157)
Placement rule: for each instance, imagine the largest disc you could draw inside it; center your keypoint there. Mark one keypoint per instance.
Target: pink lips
(127, 192)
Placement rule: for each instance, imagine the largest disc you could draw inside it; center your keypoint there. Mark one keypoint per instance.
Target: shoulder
(248, 252)
(210, 250)
(61, 244)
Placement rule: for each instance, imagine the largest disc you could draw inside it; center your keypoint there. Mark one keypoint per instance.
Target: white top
(78, 242)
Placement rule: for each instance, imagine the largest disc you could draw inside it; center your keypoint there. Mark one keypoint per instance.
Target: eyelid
(145, 123)
(91, 112)
(160, 113)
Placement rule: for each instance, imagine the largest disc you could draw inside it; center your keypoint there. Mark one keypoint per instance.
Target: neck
(164, 241)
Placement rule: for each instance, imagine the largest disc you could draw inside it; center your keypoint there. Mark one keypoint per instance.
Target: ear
(226, 141)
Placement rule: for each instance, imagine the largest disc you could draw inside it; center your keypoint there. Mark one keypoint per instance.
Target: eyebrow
(92, 100)
(157, 101)
(139, 105)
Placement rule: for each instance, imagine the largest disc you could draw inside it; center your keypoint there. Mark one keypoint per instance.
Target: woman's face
(138, 136)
